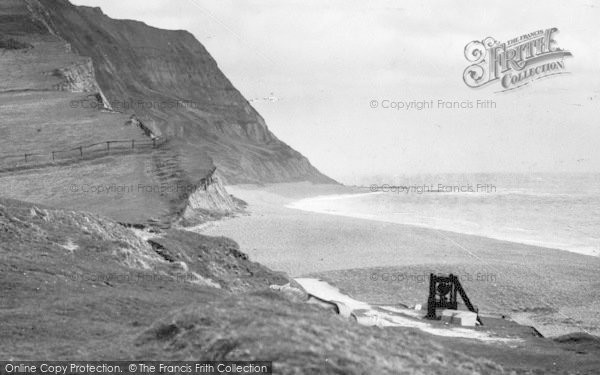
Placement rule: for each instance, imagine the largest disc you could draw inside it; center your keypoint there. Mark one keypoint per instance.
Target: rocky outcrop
(80, 77)
(209, 200)
(171, 80)
(212, 198)
(77, 78)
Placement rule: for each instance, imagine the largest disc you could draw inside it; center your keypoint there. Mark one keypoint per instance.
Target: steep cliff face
(61, 66)
(210, 201)
(169, 79)
(213, 198)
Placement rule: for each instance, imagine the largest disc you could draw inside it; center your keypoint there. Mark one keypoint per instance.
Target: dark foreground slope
(174, 85)
(79, 286)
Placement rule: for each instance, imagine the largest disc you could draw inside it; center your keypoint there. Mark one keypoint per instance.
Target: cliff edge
(73, 79)
(171, 82)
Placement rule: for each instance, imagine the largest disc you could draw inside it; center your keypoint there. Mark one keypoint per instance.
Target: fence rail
(81, 151)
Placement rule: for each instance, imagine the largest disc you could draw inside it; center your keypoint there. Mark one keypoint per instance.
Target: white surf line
(307, 205)
(328, 197)
(370, 316)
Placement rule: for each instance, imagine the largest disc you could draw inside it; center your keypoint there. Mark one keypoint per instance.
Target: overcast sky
(322, 62)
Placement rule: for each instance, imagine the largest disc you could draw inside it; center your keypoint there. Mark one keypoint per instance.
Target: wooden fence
(81, 152)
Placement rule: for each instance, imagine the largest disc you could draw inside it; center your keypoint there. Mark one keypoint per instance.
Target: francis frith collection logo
(514, 63)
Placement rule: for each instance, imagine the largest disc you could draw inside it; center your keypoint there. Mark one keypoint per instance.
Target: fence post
(80, 148)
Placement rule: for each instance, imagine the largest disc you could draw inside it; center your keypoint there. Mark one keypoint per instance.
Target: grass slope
(146, 186)
(79, 286)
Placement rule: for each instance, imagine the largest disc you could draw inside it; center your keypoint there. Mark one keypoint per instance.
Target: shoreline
(305, 205)
(554, 288)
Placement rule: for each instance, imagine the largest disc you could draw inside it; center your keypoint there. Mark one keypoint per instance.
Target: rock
(291, 292)
(458, 317)
(214, 198)
(344, 310)
(327, 305)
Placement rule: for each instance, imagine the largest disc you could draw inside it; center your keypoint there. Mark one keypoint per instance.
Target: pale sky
(326, 60)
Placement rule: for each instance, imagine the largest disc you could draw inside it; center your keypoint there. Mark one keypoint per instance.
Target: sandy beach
(387, 263)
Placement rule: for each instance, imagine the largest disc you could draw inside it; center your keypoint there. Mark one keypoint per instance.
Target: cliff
(210, 201)
(71, 76)
(169, 79)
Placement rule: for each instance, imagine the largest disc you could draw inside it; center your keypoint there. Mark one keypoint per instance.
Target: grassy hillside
(50, 101)
(80, 286)
(40, 121)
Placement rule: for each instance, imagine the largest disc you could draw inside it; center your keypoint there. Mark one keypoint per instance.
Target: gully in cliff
(208, 179)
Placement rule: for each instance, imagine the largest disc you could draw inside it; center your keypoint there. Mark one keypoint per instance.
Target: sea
(560, 211)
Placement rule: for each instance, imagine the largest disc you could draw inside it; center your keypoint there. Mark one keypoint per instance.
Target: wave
(476, 194)
(518, 234)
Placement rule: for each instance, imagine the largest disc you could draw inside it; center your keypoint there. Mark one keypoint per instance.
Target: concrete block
(465, 318)
(458, 317)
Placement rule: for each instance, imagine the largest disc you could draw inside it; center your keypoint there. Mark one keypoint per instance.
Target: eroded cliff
(64, 66)
(168, 78)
